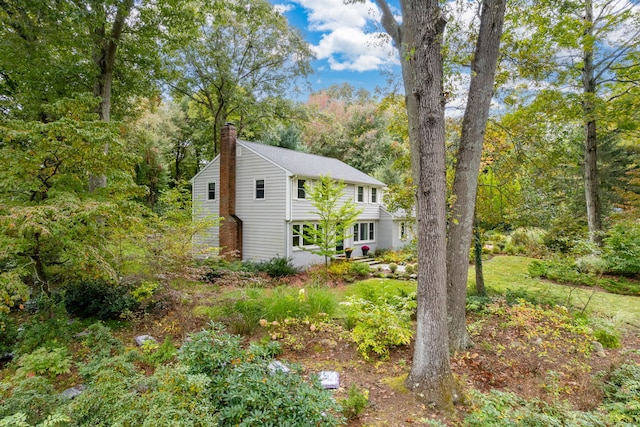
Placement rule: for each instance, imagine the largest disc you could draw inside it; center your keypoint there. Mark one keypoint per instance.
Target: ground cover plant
(533, 361)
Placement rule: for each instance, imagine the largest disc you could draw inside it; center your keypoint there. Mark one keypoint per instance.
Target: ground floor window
(403, 230)
(364, 231)
(300, 235)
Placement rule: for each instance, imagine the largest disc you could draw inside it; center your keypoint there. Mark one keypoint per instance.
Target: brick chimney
(231, 226)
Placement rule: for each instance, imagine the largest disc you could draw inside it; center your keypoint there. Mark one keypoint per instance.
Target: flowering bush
(365, 248)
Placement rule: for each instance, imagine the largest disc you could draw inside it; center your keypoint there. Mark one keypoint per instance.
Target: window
(363, 231)
(403, 230)
(296, 235)
(306, 240)
(300, 235)
(302, 194)
(212, 191)
(374, 195)
(259, 188)
(361, 194)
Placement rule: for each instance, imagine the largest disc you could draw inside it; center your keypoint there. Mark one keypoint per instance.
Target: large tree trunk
(104, 58)
(419, 40)
(591, 185)
(465, 184)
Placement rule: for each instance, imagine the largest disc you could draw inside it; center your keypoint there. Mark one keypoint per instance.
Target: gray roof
(310, 165)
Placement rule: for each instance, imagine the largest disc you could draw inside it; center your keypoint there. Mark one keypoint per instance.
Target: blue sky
(347, 41)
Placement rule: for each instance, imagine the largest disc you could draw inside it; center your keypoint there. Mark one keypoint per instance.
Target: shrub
(393, 267)
(45, 362)
(410, 268)
(49, 327)
(356, 401)
(379, 326)
(33, 396)
(622, 249)
(500, 409)
(607, 338)
(622, 393)
(246, 392)
(277, 267)
(359, 269)
(98, 298)
(8, 333)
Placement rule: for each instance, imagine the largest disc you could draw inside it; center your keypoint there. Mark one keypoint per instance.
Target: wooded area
(109, 107)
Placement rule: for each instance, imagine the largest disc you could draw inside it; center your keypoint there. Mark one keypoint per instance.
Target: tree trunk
(430, 375)
(465, 184)
(419, 41)
(104, 58)
(591, 185)
(477, 244)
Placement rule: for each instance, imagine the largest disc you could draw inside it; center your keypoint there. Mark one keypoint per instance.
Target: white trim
(255, 188)
(193, 180)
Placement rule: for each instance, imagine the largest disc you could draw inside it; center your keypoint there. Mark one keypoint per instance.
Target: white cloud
(282, 8)
(350, 38)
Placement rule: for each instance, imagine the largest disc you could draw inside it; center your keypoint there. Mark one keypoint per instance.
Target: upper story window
(360, 194)
(212, 191)
(302, 192)
(259, 188)
(374, 195)
(403, 230)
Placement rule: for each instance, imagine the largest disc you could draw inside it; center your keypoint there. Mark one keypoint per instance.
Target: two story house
(259, 192)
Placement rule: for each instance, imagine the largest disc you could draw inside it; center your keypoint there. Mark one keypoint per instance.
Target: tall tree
(465, 183)
(588, 46)
(238, 60)
(419, 41)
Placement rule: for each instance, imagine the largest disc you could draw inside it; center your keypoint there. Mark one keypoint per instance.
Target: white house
(259, 192)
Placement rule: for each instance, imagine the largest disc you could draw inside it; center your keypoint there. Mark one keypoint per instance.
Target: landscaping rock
(142, 338)
(82, 334)
(73, 392)
(329, 379)
(598, 349)
(277, 366)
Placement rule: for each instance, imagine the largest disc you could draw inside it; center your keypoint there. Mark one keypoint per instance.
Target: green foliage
(50, 225)
(608, 338)
(393, 267)
(46, 362)
(98, 298)
(276, 267)
(500, 409)
(8, 333)
(160, 353)
(12, 291)
(100, 343)
(243, 312)
(33, 396)
(169, 239)
(622, 248)
(359, 269)
(585, 271)
(477, 304)
(379, 325)
(246, 392)
(335, 216)
(49, 327)
(356, 401)
(348, 270)
(622, 393)
(20, 420)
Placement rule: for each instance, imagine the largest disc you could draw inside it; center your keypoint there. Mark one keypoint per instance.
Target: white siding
(302, 210)
(202, 206)
(264, 233)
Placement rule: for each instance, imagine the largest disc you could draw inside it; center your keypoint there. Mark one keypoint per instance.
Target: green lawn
(509, 272)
